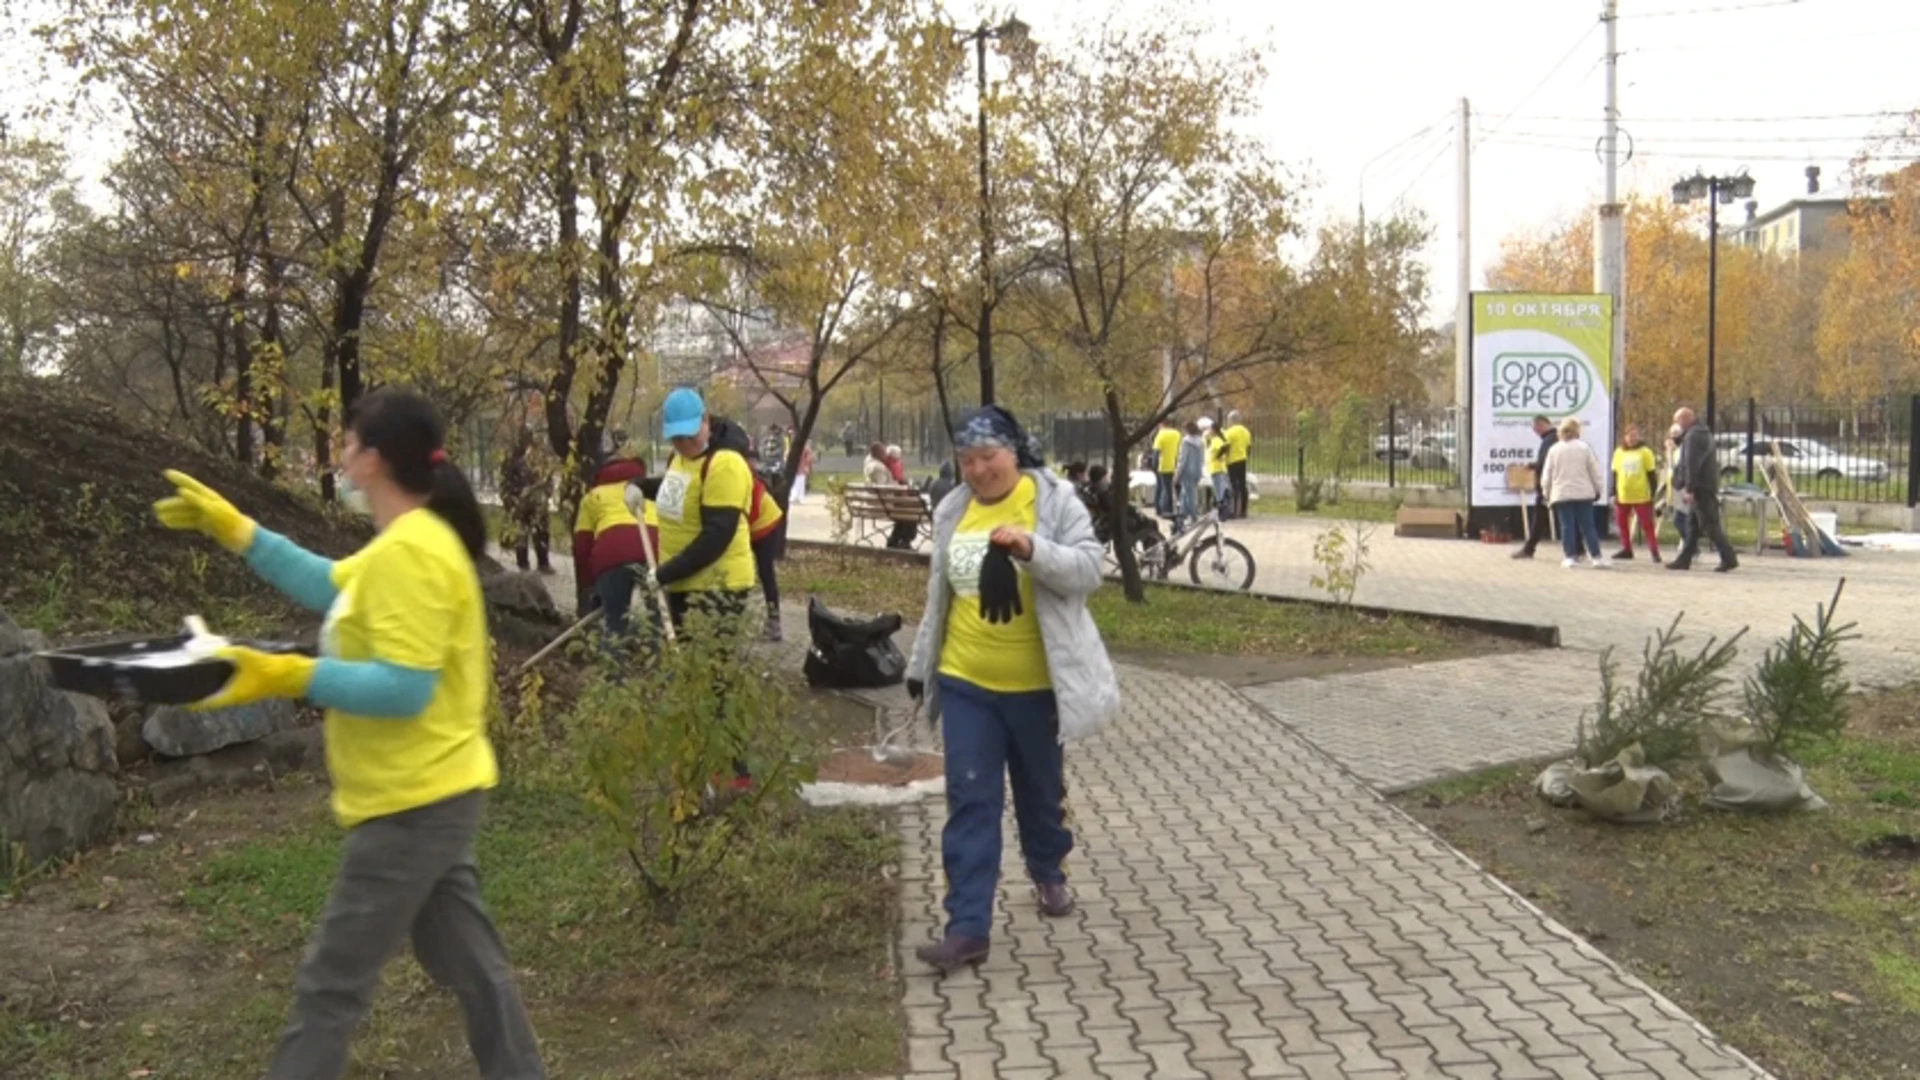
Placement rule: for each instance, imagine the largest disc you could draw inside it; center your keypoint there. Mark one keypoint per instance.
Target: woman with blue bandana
(1009, 662)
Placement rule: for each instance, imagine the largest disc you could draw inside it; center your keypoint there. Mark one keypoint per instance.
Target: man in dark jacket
(1698, 481)
(1537, 508)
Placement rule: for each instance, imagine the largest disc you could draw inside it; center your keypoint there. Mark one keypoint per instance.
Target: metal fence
(1853, 455)
(1389, 445)
(1846, 455)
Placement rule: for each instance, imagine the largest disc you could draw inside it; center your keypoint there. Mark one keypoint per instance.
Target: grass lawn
(1173, 620)
(1782, 934)
(175, 959)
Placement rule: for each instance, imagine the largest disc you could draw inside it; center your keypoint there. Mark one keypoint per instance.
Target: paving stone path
(1250, 907)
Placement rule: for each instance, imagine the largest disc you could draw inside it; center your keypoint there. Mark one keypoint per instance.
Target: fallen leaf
(139, 1074)
(1845, 998)
(149, 1030)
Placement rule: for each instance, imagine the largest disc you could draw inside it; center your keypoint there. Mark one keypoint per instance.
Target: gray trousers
(412, 875)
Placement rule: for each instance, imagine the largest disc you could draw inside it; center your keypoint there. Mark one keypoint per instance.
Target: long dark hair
(407, 432)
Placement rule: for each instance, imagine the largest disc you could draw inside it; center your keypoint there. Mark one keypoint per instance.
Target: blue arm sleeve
(372, 688)
(306, 578)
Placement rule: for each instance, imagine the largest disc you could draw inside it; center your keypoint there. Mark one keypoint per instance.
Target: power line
(1578, 44)
(1680, 155)
(1716, 10)
(1881, 115)
(1657, 140)
(1397, 157)
(1425, 169)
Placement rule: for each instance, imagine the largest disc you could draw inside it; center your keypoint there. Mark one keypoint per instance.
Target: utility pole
(1462, 336)
(1610, 253)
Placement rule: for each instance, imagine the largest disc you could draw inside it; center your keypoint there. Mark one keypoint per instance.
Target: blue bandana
(991, 425)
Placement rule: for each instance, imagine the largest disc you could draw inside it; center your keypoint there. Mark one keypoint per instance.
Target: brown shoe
(1056, 900)
(950, 954)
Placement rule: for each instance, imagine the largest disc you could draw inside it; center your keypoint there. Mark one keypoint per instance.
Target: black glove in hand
(916, 689)
(999, 586)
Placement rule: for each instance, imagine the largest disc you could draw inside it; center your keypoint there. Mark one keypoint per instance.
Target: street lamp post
(1715, 190)
(1014, 35)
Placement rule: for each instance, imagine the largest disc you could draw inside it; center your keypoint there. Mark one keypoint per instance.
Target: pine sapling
(1798, 697)
(1672, 698)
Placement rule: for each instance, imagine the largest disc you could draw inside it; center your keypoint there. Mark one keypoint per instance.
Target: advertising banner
(1536, 354)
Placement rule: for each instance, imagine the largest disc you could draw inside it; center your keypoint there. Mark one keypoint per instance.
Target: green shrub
(656, 746)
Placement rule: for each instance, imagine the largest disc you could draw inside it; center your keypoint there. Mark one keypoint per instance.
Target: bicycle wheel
(1226, 563)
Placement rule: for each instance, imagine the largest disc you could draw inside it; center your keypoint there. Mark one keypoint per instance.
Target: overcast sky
(1769, 85)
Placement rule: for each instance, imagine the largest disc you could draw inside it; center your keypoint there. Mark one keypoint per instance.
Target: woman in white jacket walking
(1573, 482)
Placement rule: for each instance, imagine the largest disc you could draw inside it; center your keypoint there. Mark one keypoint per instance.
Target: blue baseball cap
(681, 414)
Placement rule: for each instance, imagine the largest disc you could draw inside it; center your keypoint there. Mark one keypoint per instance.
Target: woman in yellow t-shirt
(404, 673)
(1009, 662)
(1634, 467)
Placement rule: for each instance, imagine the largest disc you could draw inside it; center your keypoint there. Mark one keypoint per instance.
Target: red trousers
(1623, 517)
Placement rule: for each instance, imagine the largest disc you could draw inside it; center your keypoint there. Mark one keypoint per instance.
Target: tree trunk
(940, 373)
(323, 432)
(1122, 475)
(616, 319)
(566, 197)
(274, 400)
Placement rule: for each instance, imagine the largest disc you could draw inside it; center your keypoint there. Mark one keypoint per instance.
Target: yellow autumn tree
(1763, 326)
(1869, 334)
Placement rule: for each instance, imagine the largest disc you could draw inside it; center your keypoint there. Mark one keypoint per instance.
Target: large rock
(57, 788)
(522, 595)
(180, 732)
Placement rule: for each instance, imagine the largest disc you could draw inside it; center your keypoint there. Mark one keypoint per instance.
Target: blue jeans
(1163, 493)
(1189, 498)
(615, 590)
(1223, 494)
(990, 736)
(1577, 524)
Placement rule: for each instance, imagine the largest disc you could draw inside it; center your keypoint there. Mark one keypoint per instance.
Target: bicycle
(1203, 545)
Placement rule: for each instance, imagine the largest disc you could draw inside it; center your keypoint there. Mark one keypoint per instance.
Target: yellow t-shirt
(720, 479)
(1167, 445)
(1239, 441)
(1009, 657)
(411, 598)
(1216, 454)
(1633, 475)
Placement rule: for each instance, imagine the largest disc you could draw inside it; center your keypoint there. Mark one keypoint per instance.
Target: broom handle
(659, 594)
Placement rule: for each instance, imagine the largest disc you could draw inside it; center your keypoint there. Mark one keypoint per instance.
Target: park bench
(875, 508)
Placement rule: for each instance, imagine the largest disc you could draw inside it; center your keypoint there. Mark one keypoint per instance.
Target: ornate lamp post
(1013, 35)
(1715, 190)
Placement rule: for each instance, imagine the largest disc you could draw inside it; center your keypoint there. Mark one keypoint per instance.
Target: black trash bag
(850, 653)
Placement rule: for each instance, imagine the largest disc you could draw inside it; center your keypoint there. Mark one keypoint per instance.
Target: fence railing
(1840, 454)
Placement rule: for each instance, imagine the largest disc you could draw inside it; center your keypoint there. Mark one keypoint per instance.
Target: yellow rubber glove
(259, 675)
(193, 505)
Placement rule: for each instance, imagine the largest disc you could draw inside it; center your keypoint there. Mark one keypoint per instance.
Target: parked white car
(1804, 457)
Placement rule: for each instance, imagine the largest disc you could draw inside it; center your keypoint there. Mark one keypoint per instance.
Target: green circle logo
(1553, 384)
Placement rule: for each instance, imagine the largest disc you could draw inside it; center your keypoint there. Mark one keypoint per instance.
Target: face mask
(352, 497)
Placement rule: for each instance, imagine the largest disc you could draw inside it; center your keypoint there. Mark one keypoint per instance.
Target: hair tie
(438, 457)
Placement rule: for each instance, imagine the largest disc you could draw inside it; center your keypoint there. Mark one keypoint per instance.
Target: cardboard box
(1427, 522)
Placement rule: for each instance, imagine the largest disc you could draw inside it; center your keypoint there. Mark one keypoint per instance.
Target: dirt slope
(80, 552)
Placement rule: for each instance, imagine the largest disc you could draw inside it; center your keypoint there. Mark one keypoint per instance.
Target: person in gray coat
(1189, 472)
(1698, 482)
(1008, 661)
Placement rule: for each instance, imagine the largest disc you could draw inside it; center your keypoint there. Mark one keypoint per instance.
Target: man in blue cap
(703, 497)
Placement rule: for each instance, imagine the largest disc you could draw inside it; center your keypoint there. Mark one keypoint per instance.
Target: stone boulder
(522, 595)
(176, 731)
(58, 792)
